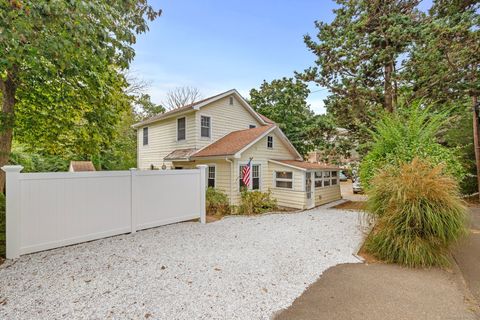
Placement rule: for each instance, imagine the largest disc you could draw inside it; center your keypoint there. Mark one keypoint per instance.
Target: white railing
(50, 210)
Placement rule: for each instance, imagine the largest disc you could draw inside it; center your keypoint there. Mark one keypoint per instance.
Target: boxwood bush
(256, 202)
(217, 202)
(419, 214)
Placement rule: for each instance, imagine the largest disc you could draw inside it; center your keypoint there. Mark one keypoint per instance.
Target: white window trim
(273, 143)
(200, 126)
(260, 182)
(323, 179)
(176, 131)
(208, 173)
(275, 179)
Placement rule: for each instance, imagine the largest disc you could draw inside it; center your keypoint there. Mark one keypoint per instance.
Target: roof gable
(199, 104)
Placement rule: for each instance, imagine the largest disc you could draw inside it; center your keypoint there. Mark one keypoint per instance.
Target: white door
(309, 190)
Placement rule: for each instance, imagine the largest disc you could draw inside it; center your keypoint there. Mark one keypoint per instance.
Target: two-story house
(224, 132)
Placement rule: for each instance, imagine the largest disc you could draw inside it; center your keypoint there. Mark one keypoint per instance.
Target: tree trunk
(8, 89)
(476, 140)
(388, 87)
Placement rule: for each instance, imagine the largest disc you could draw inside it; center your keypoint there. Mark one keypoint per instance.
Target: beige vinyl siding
(261, 154)
(327, 194)
(291, 198)
(162, 139)
(224, 118)
(222, 172)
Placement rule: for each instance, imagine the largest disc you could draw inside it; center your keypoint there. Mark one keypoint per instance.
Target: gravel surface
(236, 268)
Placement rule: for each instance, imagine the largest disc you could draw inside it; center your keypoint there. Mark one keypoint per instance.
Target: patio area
(236, 268)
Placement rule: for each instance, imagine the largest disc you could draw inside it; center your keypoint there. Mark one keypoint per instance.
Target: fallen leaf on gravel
(217, 269)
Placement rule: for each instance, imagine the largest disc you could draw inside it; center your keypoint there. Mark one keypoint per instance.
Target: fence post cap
(17, 168)
(202, 166)
(133, 169)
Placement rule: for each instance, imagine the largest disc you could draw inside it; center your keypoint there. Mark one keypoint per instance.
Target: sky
(217, 45)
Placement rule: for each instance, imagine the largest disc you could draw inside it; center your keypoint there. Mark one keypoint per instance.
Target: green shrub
(256, 202)
(419, 214)
(2, 226)
(217, 202)
(410, 133)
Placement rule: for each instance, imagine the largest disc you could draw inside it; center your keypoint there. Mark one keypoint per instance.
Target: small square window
(270, 142)
(145, 136)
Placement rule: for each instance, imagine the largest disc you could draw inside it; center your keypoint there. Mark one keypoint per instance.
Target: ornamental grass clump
(419, 214)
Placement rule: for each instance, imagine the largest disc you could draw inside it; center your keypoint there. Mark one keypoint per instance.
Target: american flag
(246, 173)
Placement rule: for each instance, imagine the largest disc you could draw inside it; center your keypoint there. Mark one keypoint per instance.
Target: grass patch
(419, 215)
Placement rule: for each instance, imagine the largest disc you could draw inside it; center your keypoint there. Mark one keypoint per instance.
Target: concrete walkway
(467, 255)
(383, 291)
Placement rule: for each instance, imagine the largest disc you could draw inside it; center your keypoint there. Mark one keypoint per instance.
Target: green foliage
(146, 108)
(256, 202)
(399, 138)
(419, 214)
(284, 102)
(36, 162)
(356, 58)
(217, 202)
(2, 226)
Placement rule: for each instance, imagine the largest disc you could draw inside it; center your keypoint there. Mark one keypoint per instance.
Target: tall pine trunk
(8, 89)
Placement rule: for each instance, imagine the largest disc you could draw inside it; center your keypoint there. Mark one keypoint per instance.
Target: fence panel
(50, 210)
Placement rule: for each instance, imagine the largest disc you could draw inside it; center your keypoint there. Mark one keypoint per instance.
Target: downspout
(231, 179)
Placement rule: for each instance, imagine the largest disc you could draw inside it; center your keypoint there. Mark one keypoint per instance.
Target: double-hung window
(326, 178)
(205, 126)
(318, 179)
(254, 177)
(145, 136)
(270, 142)
(334, 177)
(181, 129)
(211, 176)
(284, 179)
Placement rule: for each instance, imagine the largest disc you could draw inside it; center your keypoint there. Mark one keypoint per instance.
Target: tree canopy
(284, 101)
(60, 71)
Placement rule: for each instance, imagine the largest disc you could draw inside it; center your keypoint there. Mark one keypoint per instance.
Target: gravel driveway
(236, 268)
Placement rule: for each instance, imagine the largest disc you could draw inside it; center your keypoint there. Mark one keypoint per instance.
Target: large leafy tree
(61, 56)
(358, 57)
(284, 101)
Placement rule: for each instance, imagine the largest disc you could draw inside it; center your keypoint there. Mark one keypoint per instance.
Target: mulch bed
(351, 205)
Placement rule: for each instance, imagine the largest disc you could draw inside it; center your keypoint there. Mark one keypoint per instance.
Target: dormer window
(270, 142)
(231, 101)
(205, 125)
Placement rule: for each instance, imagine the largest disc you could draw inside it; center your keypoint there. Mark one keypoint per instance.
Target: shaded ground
(380, 291)
(385, 291)
(351, 205)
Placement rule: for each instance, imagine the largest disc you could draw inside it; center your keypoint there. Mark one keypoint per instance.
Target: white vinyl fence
(50, 210)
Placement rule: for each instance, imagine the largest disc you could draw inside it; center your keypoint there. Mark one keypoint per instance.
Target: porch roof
(180, 154)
